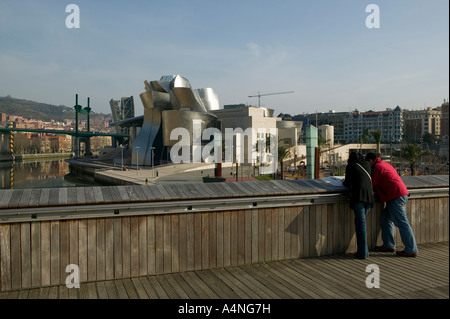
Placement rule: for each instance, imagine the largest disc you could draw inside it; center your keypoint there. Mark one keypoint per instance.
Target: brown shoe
(405, 254)
(384, 249)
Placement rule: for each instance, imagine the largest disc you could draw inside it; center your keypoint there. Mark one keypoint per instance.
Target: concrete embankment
(167, 174)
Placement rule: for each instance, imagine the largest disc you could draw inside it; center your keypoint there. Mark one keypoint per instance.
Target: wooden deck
(14, 199)
(326, 277)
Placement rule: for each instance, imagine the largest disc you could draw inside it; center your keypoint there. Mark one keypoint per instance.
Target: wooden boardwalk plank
(111, 289)
(219, 287)
(340, 267)
(252, 283)
(101, 290)
(354, 283)
(176, 286)
(43, 293)
(335, 276)
(321, 287)
(53, 293)
(92, 291)
(341, 287)
(170, 291)
(199, 286)
(156, 285)
(140, 290)
(187, 289)
(301, 290)
(241, 290)
(151, 293)
(121, 291)
(271, 282)
(130, 289)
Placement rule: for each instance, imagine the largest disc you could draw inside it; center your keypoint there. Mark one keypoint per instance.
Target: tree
(377, 137)
(429, 138)
(21, 143)
(283, 154)
(322, 142)
(412, 153)
(364, 138)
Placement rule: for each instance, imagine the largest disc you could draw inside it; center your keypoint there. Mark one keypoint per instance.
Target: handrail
(183, 206)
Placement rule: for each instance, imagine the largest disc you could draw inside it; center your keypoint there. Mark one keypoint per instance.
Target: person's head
(371, 157)
(360, 157)
(353, 157)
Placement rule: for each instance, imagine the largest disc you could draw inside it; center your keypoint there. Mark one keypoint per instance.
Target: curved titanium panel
(165, 82)
(147, 100)
(161, 100)
(168, 104)
(141, 153)
(209, 98)
(155, 86)
(180, 82)
(172, 119)
(184, 98)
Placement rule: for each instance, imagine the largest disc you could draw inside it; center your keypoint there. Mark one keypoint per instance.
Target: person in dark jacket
(391, 190)
(357, 178)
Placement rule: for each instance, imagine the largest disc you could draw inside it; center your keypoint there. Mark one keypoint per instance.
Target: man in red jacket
(391, 190)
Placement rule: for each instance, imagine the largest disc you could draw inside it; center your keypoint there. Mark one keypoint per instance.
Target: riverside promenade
(175, 174)
(338, 276)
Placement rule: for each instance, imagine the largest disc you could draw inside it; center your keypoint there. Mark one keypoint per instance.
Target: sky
(322, 51)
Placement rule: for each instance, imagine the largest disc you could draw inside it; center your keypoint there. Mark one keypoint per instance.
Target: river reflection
(37, 174)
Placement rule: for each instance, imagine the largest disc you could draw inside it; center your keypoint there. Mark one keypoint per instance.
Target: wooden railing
(121, 243)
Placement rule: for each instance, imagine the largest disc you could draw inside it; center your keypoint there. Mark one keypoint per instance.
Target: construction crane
(259, 96)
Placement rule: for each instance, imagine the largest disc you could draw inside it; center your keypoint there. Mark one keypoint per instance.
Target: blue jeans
(395, 214)
(361, 209)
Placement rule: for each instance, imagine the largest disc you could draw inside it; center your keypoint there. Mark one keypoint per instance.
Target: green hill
(39, 111)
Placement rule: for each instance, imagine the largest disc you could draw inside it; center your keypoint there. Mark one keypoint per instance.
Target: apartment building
(419, 122)
(388, 122)
(335, 119)
(444, 122)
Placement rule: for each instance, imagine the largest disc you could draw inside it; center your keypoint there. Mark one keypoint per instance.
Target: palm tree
(322, 142)
(412, 153)
(364, 138)
(283, 154)
(377, 137)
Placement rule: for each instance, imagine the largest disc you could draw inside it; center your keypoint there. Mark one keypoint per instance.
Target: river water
(37, 174)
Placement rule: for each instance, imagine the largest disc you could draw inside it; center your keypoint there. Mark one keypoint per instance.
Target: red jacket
(386, 181)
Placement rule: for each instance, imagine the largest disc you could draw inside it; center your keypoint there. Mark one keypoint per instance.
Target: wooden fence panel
(109, 248)
(5, 260)
(36, 254)
(54, 253)
(46, 254)
(151, 245)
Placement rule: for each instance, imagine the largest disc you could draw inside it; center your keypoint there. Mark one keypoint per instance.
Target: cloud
(255, 49)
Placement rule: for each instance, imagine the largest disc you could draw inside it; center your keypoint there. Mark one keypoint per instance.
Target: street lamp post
(77, 141)
(121, 148)
(153, 162)
(137, 160)
(436, 157)
(428, 149)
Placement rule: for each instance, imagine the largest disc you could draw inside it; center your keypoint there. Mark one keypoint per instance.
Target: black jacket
(359, 183)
